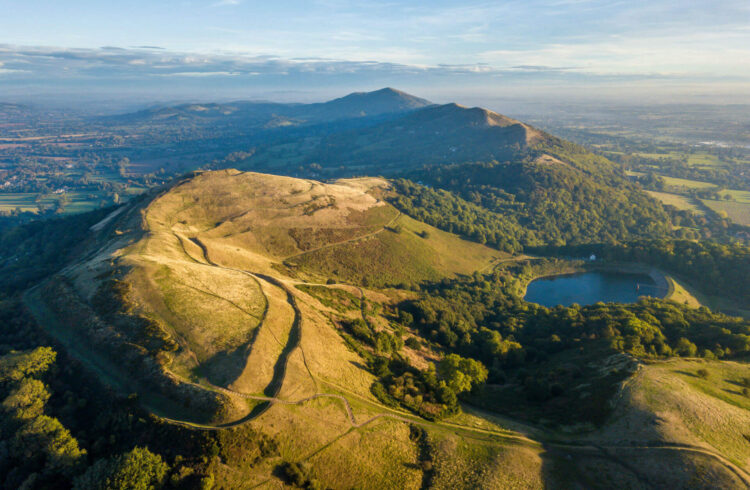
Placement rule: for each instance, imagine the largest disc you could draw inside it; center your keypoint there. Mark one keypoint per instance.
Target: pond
(587, 288)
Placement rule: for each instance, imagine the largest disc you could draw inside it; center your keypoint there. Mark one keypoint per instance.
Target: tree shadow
(359, 365)
(686, 373)
(736, 383)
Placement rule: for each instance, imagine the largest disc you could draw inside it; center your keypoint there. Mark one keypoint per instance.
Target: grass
(671, 402)
(679, 202)
(267, 345)
(459, 463)
(681, 294)
(735, 195)
(337, 299)
(398, 255)
(739, 212)
(685, 183)
(698, 159)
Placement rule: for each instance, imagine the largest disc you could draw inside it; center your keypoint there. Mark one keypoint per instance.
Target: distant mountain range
(386, 101)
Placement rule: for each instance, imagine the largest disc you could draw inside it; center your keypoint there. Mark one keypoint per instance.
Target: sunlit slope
(692, 409)
(344, 230)
(200, 279)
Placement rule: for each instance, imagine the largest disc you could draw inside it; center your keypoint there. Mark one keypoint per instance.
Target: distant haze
(127, 54)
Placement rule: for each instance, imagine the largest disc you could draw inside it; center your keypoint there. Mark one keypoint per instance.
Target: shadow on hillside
(359, 365)
(223, 368)
(686, 373)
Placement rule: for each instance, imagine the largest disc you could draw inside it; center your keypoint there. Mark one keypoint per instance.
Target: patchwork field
(685, 183)
(680, 202)
(734, 195)
(739, 212)
(78, 202)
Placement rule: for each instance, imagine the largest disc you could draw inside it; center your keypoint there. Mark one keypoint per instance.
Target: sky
(647, 51)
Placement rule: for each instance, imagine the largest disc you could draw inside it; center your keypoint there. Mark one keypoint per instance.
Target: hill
(260, 115)
(431, 135)
(558, 192)
(324, 338)
(202, 282)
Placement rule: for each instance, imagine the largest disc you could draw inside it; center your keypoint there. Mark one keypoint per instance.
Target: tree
(27, 401)
(139, 469)
(685, 348)
(18, 365)
(461, 374)
(46, 435)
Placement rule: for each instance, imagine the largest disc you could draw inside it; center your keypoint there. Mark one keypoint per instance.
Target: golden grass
(460, 463)
(379, 455)
(668, 401)
(268, 344)
(681, 294)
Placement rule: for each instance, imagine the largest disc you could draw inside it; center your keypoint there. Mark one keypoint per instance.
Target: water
(591, 287)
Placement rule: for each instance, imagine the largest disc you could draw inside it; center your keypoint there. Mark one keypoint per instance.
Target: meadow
(676, 200)
(739, 212)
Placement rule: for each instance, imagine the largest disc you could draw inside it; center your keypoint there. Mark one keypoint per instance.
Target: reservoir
(591, 287)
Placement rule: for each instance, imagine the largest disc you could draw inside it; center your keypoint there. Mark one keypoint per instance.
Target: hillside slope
(242, 301)
(196, 280)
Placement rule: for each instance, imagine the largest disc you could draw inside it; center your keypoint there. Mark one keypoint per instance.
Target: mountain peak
(386, 100)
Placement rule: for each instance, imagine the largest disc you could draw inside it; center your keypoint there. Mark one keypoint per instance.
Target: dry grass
(459, 463)
(390, 257)
(668, 401)
(379, 455)
(268, 344)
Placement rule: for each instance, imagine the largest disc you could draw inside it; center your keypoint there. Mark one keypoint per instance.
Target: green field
(689, 184)
(680, 202)
(698, 159)
(738, 196)
(739, 212)
(80, 202)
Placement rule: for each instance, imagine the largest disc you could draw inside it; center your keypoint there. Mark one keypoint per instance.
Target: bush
(703, 373)
(298, 475)
(413, 343)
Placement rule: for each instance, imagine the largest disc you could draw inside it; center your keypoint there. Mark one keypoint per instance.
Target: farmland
(738, 212)
(676, 200)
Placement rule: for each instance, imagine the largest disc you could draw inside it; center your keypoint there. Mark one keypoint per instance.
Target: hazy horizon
(138, 53)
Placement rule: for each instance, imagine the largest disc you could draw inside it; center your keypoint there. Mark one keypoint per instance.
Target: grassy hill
(267, 307)
(197, 278)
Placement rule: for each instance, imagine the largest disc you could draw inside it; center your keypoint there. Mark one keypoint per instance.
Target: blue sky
(315, 49)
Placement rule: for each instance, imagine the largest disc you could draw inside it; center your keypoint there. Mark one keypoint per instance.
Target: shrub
(413, 343)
